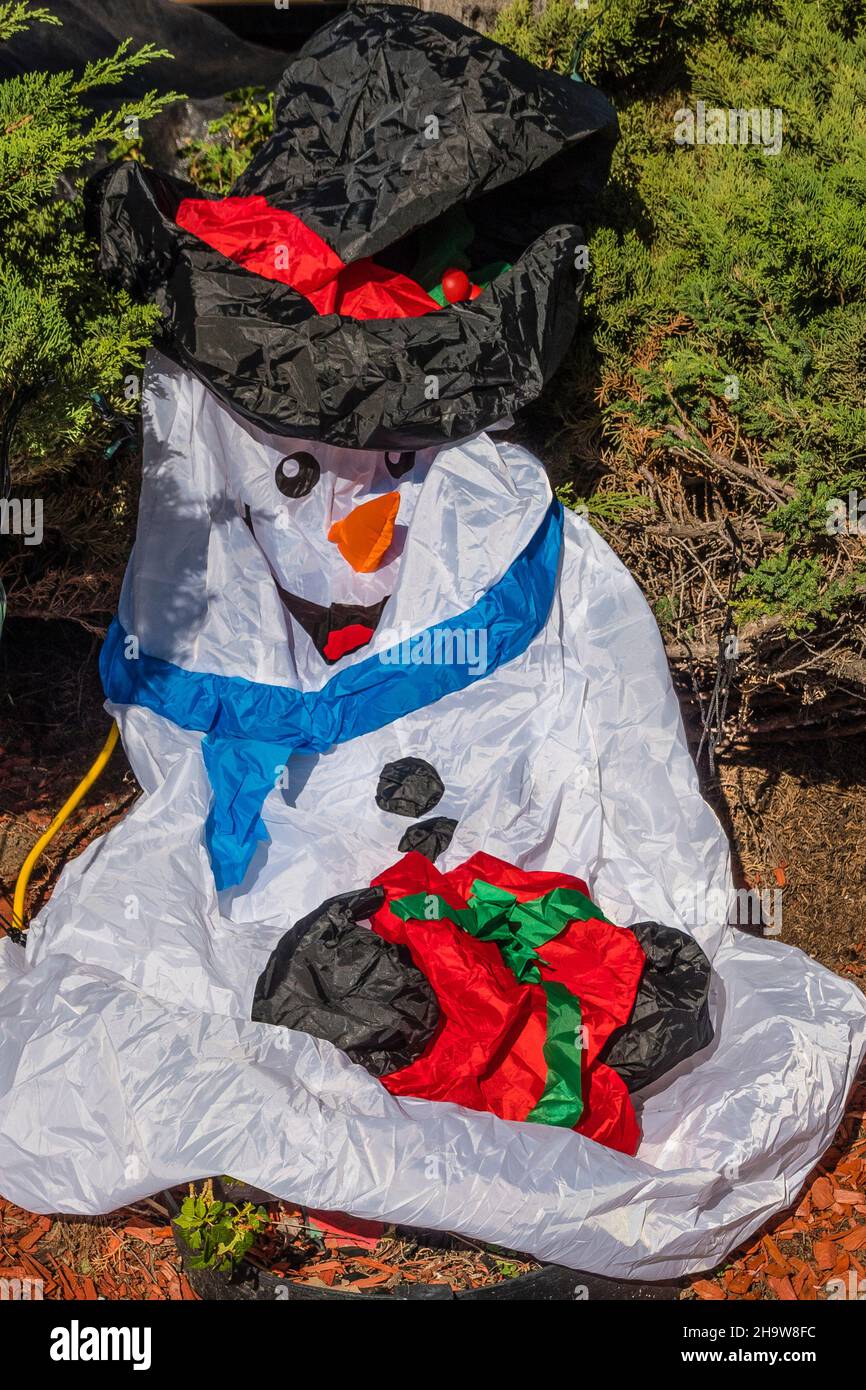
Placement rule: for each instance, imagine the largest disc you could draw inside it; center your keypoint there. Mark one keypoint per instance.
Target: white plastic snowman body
(568, 756)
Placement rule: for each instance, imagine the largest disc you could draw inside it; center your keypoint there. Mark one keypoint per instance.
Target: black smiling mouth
(336, 629)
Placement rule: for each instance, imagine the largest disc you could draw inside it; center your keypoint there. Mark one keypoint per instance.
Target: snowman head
(332, 524)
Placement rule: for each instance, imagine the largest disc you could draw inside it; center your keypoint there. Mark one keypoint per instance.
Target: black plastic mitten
(336, 979)
(671, 1018)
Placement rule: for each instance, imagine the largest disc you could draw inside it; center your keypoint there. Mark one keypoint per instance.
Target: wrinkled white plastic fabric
(128, 1062)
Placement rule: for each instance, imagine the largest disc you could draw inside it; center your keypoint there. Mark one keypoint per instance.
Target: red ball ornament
(455, 285)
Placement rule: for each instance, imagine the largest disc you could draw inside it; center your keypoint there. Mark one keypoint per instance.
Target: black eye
(398, 464)
(297, 474)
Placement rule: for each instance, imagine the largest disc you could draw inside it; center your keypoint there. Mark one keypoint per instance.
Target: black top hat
(408, 143)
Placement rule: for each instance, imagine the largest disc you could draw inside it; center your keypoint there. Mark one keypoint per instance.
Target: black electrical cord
(713, 721)
(16, 934)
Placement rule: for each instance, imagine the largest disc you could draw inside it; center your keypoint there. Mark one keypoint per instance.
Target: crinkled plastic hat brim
(354, 156)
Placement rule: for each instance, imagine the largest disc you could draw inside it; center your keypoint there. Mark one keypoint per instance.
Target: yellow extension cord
(60, 819)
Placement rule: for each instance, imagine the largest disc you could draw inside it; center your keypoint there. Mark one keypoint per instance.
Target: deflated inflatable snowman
(410, 919)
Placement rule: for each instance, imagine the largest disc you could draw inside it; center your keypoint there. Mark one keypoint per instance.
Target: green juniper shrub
(232, 139)
(65, 337)
(63, 333)
(724, 338)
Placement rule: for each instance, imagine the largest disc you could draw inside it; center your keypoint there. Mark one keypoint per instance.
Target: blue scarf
(251, 729)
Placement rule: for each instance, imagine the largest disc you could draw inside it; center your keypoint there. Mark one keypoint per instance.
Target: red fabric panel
(369, 291)
(520, 882)
(602, 965)
(488, 1051)
(415, 873)
(251, 233)
(608, 1115)
(598, 962)
(276, 244)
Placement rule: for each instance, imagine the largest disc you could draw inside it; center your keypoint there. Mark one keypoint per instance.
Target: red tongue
(346, 639)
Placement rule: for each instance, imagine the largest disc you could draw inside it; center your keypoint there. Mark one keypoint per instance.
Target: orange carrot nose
(365, 534)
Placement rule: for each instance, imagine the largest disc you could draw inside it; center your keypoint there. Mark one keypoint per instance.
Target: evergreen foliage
(63, 334)
(232, 139)
(722, 369)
